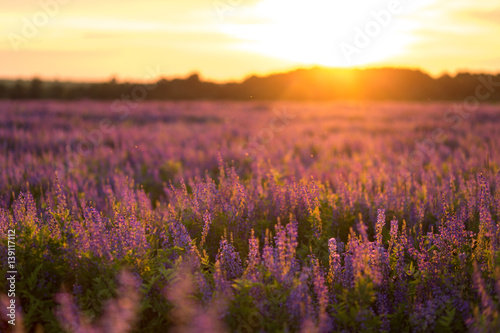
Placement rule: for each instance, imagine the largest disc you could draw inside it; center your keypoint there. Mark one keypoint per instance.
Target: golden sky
(230, 39)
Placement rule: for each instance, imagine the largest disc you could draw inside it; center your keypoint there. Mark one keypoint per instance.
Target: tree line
(301, 84)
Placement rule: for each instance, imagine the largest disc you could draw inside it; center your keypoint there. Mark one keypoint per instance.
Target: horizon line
(242, 78)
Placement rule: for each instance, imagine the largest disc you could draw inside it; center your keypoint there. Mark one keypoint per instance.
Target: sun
(313, 32)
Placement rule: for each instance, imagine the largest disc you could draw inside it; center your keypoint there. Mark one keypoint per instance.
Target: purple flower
(229, 261)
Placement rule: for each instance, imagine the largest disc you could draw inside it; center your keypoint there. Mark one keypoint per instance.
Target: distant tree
(57, 91)
(193, 78)
(35, 89)
(106, 90)
(18, 91)
(79, 92)
(3, 91)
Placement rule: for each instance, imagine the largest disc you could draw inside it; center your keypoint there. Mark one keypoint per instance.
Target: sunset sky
(231, 39)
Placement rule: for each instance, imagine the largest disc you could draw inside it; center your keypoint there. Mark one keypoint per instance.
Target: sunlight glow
(312, 32)
(121, 38)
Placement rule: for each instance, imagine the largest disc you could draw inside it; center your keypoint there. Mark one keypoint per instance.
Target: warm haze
(221, 166)
(230, 39)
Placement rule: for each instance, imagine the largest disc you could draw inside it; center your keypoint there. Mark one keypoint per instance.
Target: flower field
(250, 217)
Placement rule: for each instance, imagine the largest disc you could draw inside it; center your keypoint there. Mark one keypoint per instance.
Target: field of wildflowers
(250, 217)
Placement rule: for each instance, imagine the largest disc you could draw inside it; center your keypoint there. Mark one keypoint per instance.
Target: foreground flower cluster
(221, 217)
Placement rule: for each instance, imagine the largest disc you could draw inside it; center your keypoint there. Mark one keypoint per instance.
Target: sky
(95, 40)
